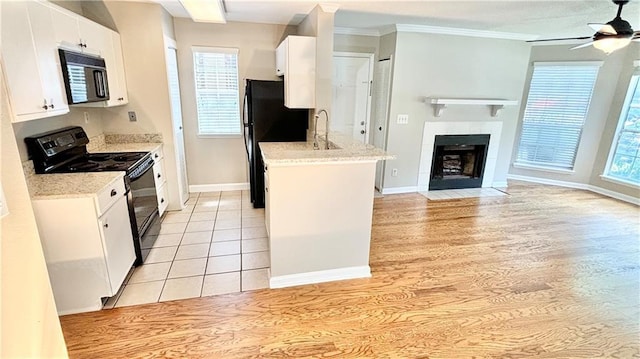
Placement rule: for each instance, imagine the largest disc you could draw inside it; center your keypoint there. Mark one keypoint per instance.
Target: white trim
(329, 275)
(596, 189)
(355, 31)
(329, 7)
(568, 63)
(398, 190)
(387, 29)
(500, 184)
(463, 32)
(542, 168)
(616, 195)
(364, 55)
(218, 187)
(320, 161)
(214, 49)
(619, 181)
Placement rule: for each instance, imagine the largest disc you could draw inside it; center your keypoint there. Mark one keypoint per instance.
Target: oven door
(143, 210)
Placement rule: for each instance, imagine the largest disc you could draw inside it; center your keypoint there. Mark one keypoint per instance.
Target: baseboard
(499, 184)
(330, 275)
(616, 195)
(398, 190)
(595, 189)
(218, 187)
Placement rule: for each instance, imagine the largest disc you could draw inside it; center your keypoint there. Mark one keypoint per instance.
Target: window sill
(219, 136)
(619, 181)
(542, 168)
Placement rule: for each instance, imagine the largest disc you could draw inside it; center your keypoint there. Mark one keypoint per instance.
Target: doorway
(351, 106)
(380, 113)
(176, 119)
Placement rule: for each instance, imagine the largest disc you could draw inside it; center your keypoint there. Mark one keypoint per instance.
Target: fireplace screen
(458, 161)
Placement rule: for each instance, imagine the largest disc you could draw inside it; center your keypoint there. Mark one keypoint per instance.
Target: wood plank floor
(545, 272)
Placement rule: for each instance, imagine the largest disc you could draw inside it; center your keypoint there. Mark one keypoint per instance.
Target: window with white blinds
(557, 106)
(217, 94)
(624, 159)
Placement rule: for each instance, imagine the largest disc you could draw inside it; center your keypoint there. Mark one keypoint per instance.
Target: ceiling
(543, 18)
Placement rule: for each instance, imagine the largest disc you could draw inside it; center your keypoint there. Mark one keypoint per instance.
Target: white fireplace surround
(433, 129)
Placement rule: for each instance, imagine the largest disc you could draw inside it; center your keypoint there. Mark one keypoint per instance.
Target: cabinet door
(20, 60)
(117, 243)
(95, 38)
(48, 58)
(281, 53)
(65, 29)
(116, 74)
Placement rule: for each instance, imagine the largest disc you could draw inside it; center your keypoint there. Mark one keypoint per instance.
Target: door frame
(379, 181)
(371, 58)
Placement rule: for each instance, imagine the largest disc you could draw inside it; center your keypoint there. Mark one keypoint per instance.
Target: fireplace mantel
(439, 104)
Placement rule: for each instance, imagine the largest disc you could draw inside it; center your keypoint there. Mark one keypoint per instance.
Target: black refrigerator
(266, 119)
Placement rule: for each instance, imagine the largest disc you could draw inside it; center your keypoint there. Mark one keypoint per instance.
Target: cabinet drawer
(158, 174)
(163, 199)
(108, 196)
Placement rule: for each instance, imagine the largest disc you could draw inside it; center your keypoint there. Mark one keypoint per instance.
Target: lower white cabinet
(88, 246)
(161, 180)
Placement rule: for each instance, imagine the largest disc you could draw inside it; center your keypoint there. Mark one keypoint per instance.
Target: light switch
(402, 119)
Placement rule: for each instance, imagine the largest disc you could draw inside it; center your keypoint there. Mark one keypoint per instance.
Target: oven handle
(145, 166)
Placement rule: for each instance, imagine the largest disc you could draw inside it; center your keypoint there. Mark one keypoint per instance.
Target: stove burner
(83, 167)
(96, 162)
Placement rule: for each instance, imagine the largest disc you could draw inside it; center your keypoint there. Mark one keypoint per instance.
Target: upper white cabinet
(31, 67)
(32, 32)
(296, 61)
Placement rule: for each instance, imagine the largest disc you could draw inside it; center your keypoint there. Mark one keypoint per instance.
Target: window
(558, 103)
(624, 159)
(217, 96)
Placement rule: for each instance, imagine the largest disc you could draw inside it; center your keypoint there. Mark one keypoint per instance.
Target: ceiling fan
(609, 37)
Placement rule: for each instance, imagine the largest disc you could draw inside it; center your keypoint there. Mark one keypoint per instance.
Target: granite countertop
(70, 185)
(126, 147)
(303, 152)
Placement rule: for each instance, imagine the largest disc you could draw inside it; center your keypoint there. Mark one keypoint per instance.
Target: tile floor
(218, 244)
(462, 193)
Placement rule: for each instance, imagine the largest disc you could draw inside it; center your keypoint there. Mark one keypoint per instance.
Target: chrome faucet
(315, 130)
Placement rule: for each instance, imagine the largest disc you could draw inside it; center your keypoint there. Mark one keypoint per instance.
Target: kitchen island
(319, 206)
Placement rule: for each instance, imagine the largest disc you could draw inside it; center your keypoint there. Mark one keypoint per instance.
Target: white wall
(606, 103)
(430, 65)
(29, 324)
(222, 160)
(356, 43)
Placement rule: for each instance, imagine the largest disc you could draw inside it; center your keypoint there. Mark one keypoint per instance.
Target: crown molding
(355, 31)
(463, 32)
(329, 7)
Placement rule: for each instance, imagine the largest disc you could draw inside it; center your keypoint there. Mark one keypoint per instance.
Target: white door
(176, 118)
(352, 75)
(380, 112)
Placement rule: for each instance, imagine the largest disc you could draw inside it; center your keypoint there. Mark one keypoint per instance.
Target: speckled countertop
(274, 153)
(86, 184)
(70, 185)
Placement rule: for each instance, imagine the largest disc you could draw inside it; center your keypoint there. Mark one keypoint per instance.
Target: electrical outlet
(402, 119)
(394, 172)
(86, 117)
(132, 116)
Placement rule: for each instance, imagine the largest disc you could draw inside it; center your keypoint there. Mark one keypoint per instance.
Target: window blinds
(217, 95)
(558, 102)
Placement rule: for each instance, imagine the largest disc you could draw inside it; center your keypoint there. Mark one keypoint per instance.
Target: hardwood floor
(545, 272)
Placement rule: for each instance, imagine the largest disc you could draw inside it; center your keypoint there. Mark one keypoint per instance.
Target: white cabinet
(31, 68)
(160, 180)
(296, 61)
(82, 35)
(88, 250)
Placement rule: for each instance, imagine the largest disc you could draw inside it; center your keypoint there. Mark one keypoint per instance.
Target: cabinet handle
(45, 105)
(155, 155)
(113, 192)
(106, 225)
(266, 189)
(52, 106)
(159, 175)
(362, 132)
(120, 98)
(162, 200)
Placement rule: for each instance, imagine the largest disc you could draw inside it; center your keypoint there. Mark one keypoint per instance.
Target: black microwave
(85, 77)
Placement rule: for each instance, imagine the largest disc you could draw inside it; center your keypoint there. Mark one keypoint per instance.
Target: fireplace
(458, 161)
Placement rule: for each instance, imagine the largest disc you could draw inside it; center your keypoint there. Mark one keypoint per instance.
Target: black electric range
(65, 151)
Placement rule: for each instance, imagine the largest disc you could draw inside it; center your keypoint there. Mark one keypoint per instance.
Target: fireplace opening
(458, 161)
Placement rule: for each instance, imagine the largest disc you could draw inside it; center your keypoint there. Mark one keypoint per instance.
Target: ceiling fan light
(611, 44)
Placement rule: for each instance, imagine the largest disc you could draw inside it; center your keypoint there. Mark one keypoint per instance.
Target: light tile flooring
(462, 193)
(218, 244)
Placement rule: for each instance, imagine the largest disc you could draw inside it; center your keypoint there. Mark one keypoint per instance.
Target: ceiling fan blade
(581, 46)
(603, 28)
(635, 36)
(563, 38)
